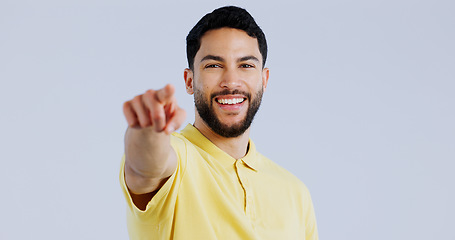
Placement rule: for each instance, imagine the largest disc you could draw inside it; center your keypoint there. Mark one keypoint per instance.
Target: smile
(230, 101)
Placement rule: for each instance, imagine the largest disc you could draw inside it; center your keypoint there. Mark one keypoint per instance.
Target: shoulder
(285, 187)
(182, 147)
(185, 150)
(178, 140)
(281, 174)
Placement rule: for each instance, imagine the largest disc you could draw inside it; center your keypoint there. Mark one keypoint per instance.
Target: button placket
(249, 200)
(249, 197)
(242, 182)
(242, 170)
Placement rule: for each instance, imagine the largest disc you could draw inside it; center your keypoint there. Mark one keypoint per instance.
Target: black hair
(229, 16)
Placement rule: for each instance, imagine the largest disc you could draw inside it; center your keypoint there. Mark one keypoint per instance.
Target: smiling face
(227, 81)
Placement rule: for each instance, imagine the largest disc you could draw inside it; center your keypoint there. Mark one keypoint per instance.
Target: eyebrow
(218, 58)
(246, 58)
(212, 57)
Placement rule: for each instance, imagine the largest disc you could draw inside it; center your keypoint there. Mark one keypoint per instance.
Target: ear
(265, 78)
(188, 76)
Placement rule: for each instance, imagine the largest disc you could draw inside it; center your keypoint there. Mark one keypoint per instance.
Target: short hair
(231, 17)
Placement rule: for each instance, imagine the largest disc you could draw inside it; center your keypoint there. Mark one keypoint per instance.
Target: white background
(360, 106)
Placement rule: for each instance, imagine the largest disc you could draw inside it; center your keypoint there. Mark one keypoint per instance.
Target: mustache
(230, 92)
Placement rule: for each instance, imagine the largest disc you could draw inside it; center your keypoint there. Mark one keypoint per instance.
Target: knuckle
(157, 117)
(144, 122)
(150, 94)
(126, 106)
(149, 97)
(137, 99)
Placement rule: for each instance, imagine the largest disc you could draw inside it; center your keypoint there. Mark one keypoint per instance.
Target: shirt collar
(197, 138)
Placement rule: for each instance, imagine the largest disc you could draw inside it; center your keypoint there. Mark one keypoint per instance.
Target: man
(209, 182)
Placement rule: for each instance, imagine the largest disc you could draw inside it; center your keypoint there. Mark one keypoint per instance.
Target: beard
(207, 113)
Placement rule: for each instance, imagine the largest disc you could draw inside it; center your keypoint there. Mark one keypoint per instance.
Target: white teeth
(230, 100)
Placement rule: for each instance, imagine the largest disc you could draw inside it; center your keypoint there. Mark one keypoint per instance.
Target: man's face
(227, 81)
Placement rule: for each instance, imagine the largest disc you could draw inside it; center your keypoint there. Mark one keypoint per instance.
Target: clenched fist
(155, 108)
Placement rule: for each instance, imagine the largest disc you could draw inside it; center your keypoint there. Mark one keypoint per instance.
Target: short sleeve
(161, 208)
(311, 231)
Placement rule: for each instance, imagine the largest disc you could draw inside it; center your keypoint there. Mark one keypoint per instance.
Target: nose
(231, 79)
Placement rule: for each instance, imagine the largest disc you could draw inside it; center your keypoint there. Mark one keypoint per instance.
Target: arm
(149, 157)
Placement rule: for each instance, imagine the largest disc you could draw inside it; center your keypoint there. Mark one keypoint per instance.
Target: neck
(236, 147)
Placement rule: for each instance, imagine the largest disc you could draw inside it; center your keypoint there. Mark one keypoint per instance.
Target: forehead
(229, 43)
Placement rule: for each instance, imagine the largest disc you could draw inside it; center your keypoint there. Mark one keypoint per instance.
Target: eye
(212, 66)
(245, 65)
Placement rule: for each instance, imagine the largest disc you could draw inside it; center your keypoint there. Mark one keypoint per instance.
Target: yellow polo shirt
(214, 196)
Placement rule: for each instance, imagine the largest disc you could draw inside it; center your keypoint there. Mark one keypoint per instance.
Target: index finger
(165, 94)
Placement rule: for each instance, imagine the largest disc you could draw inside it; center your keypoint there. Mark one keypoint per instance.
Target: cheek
(259, 84)
(206, 86)
(203, 91)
